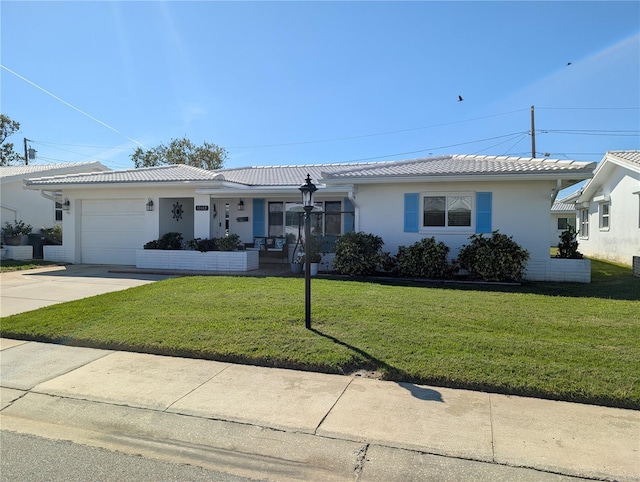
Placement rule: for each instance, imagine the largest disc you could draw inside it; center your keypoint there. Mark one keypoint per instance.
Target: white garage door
(112, 230)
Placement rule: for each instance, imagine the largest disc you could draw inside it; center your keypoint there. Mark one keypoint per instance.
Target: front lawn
(566, 341)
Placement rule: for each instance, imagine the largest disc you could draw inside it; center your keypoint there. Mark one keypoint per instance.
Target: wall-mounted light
(241, 205)
(66, 204)
(150, 205)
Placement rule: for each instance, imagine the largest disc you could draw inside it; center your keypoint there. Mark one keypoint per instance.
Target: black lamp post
(307, 190)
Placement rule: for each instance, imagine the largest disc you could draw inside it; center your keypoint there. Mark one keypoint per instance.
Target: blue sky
(321, 82)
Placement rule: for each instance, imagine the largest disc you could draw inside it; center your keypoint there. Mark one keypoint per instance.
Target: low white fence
(559, 269)
(227, 261)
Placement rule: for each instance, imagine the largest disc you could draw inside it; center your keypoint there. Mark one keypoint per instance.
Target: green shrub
(497, 258)
(568, 247)
(227, 243)
(424, 259)
(167, 241)
(202, 245)
(52, 236)
(358, 254)
(17, 228)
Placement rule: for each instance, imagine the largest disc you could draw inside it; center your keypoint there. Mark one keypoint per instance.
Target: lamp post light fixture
(307, 189)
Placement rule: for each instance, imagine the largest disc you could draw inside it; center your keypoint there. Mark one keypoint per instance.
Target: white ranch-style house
(608, 210)
(29, 206)
(111, 215)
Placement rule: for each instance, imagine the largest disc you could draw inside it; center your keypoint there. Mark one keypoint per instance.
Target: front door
(219, 218)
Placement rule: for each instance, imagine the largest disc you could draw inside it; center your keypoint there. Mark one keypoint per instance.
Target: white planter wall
(559, 269)
(19, 253)
(225, 261)
(54, 253)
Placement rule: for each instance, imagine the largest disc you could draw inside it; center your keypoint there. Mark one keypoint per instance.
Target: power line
(588, 108)
(512, 135)
(375, 134)
(52, 144)
(591, 132)
(69, 105)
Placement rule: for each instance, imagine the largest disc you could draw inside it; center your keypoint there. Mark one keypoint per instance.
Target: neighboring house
(112, 214)
(608, 209)
(29, 206)
(563, 216)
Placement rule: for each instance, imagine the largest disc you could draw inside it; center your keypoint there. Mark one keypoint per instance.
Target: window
(326, 218)
(58, 212)
(276, 219)
(447, 211)
(584, 223)
(604, 211)
(332, 218)
(564, 223)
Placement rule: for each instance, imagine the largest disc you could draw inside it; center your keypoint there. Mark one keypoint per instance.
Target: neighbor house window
(564, 223)
(604, 211)
(584, 223)
(447, 210)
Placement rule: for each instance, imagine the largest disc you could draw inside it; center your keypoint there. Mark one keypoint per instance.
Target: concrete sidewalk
(290, 425)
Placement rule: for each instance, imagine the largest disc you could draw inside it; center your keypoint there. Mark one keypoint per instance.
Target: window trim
(584, 223)
(602, 216)
(57, 211)
(448, 229)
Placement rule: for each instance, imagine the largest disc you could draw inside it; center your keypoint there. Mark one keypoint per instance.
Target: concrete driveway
(28, 290)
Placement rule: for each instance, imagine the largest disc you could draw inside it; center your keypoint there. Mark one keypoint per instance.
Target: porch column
(201, 216)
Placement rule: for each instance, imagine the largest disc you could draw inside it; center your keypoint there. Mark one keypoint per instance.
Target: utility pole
(26, 157)
(28, 153)
(533, 133)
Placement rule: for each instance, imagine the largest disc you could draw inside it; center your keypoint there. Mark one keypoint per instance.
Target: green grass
(561, 341)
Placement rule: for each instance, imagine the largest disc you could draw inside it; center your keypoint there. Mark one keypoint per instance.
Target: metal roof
(632, 157)
(294, 175)
(173, 173)
(462, 164)
(559, 207)
(8, 173)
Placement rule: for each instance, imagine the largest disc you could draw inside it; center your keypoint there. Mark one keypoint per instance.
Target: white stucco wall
(621, 241)
(519, 209)
(26, 205)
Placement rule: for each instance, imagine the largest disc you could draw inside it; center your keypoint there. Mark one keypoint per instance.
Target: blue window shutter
(483, 212)
(411, 212)
(349, 220)
(258, 217)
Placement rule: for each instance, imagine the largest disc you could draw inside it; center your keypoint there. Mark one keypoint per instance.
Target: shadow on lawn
(390, 373)
(619, 288)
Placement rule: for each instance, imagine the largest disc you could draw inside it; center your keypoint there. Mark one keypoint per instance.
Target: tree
(8, 127)
(181, 151)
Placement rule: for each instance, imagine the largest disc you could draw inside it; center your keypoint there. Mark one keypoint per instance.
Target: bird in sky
(460, 99)
(568, 63)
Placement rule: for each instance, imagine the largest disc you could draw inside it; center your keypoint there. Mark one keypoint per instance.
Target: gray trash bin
(37, 241)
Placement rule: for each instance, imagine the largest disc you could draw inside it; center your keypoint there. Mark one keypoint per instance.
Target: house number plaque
(202, 208)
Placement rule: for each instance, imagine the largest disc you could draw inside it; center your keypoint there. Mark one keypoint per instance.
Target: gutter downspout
(52, 197)
(555, 192)
(352, 197)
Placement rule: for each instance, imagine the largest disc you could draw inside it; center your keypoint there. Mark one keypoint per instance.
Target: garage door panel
(112, 230)
(118, 224)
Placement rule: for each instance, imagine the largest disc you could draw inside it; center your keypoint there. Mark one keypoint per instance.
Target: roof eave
(573, 176)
